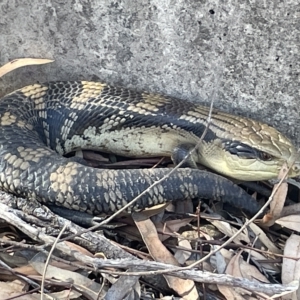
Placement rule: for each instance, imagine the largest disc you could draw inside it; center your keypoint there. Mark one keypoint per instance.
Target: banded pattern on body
(42, 122)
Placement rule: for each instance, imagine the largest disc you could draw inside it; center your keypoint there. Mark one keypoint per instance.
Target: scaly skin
(39, 123)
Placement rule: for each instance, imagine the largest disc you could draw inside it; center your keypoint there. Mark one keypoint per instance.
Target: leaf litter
(265, 252)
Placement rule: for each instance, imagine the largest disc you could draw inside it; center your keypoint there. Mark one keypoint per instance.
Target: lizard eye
(245, 151)
(265, 156)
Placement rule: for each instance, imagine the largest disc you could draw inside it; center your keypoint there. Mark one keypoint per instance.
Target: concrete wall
(175, 47)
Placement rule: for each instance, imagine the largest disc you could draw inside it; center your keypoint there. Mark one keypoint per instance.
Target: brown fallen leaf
(22, 62)
(62, 295)
(279, 198)
(27, 270)
(14, 289)
(229, 230)
(292, 222)
(80, 282)
(171, 226)
(185, 288)
(264, 238)
(238, 267)
(183, 255)
(260, 260)
(291, 267)
(233, 268)
(79, 249)
(230, 293)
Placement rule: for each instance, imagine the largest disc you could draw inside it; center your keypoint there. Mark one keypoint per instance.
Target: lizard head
(251, 153)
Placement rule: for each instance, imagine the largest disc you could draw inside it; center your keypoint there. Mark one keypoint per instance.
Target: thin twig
(49, 256)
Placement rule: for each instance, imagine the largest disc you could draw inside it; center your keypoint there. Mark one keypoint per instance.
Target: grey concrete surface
(174, 47)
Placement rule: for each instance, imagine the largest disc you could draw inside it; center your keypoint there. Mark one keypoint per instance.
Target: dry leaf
(279, 197)
(292, 222)
(154, 210)
(233, 268)
(251, 272)
(264, 239)
(79, 249)
(22, 62)
(229, 230)
(170, 227)
(278, 201)
(183, 255)
(227, 254)
(237, 267)
(219, 261)
(27, 270)
(82, 283)
(126, 287)
(13, 289)
(62, 295)
(185, 288)
(291, 267)
(259, 258)
(230, 293)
